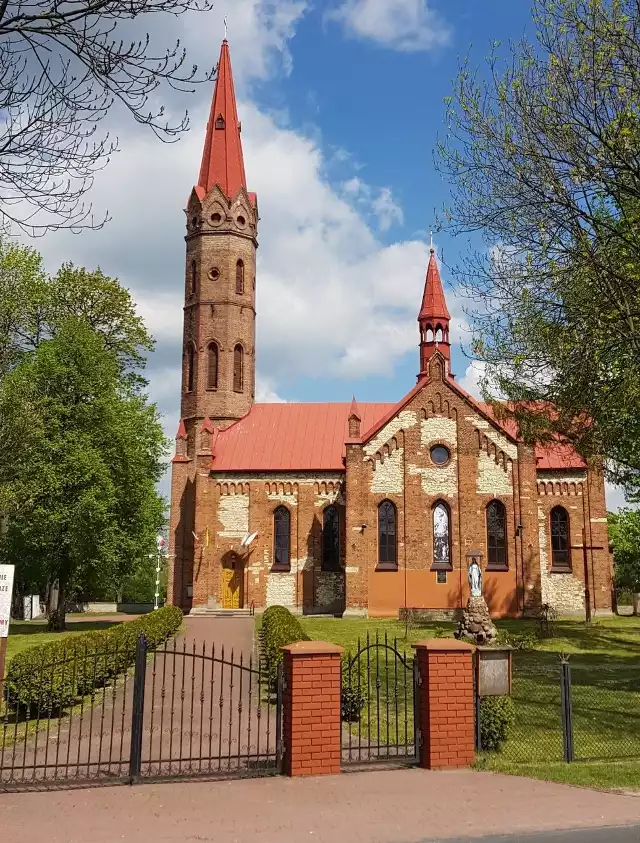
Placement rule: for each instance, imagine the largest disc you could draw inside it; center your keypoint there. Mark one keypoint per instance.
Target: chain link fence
(585, 709)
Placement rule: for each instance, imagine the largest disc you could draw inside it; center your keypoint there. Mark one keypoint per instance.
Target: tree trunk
(57, 613)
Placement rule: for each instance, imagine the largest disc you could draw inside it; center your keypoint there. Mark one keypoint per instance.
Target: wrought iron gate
(182, 712)
(380, 696)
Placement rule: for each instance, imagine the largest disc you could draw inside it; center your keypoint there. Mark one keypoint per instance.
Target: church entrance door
(232, 582)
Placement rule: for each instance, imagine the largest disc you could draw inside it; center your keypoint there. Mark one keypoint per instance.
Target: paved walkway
(234, 634)
(206, 709)
(394, 806)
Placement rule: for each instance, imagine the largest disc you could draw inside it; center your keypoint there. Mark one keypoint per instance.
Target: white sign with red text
(6, 593)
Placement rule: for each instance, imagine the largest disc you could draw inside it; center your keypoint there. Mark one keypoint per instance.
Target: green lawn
(605, 660)
(24, 634)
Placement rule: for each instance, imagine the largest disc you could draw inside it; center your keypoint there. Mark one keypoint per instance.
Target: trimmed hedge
(279, 628)
(49, 677)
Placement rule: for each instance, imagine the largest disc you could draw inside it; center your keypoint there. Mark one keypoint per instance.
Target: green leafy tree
(624, 534)
(543, 156)
(80, 458)
(33, 306)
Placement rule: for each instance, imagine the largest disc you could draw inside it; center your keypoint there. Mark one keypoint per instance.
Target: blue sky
(341, 104)
(383, 104)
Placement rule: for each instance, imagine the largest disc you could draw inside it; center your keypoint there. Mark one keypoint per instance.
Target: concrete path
(205, 711)
(231, 633)
(394, 806)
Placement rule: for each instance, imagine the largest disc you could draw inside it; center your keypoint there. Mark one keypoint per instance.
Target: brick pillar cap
(444, 645)
(312, 648)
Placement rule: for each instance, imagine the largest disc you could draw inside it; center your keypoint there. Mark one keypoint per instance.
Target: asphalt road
(627, 834)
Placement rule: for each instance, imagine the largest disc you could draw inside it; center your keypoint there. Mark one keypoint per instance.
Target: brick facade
(213, 509)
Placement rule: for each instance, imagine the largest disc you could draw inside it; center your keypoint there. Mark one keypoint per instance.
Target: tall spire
(433, 318)
(222, 161)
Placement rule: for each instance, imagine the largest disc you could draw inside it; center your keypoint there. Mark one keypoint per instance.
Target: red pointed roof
(222, 161)
(182, 430)
(354, 411)
(434, 305)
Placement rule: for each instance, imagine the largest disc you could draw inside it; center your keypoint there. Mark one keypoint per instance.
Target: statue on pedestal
(474, 575)
(476, 623)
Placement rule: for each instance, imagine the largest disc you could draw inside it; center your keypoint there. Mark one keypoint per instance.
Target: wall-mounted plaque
(441, 577)
(493, 671)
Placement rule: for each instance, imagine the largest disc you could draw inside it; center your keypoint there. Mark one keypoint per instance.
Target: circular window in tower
(241, 221)
(440, 455)
(216, 218)
(214, 273)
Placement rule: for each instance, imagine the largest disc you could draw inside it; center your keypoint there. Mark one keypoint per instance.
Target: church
(360, 508)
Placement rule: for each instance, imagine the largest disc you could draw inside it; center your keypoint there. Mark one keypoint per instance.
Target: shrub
(517, 640)
(354, 690)
(497, 715)
(49, 677)
(279, 628)
(547, 621)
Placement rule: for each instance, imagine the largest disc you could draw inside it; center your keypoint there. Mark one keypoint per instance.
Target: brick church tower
(218, 358)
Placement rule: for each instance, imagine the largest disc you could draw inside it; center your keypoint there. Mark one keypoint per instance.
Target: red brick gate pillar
(446, 711)
(311, 707)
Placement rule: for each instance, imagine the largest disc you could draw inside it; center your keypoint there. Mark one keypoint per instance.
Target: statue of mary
(474, 576)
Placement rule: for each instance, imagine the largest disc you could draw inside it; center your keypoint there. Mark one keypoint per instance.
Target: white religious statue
(474, 575)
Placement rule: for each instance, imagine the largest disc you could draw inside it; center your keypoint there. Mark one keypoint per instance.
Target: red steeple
(433, 318)
(222, 161)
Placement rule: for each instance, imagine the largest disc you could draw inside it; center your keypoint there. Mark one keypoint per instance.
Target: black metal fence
(573, 709)
(380, 694)
(181, 712)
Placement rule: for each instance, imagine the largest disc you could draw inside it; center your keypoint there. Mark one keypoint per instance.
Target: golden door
(231, 589)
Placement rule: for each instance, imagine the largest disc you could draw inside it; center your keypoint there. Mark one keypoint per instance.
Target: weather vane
(431, 240)
(225, 27)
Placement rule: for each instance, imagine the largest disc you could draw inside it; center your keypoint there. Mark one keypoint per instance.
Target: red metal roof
(311, 437)
(222, 160)
(559, 455)
(290, 437)
(434, 304)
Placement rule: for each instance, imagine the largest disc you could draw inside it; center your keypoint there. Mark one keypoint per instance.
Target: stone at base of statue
(476, 623)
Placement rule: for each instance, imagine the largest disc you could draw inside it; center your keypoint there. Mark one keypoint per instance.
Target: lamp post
(160, 548)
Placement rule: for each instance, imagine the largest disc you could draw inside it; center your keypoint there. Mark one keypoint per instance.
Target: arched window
(560, 539)
(387, 536)
(331, 539)
(439, 336)
(239, 278)
(191, 279)
(282, 538)
(238, 368)
(497, 536)
(441, 536)
(191, 367)
(212, 366)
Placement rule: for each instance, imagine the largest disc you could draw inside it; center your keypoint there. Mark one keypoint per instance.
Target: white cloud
(381, 205)
(387, 210)
(266, 392)
(470, 381)
(332, 300)
(408, 25)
